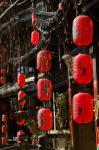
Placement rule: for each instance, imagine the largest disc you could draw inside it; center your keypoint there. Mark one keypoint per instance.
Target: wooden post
(83, 136)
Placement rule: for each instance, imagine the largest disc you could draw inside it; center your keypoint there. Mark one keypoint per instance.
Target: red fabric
(45, 119)
(82, 69)
(35, 38)
(21, 80)
(82, 108)
(82, 30)
(44, 89)
(21, 94)
(44, 59)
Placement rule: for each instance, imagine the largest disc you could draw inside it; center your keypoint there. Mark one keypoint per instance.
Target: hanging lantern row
(44, 61)
(21, 100)
(82, 108)
(82, 30)
(3, 71)
(45, 120)
(82, 69)
(44, 86)
(44, 90)
(35, 35)
(4, 130)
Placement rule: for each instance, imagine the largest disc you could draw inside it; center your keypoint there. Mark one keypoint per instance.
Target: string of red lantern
(4, 130)
(21, 99)
(3, 71)
(82, 32)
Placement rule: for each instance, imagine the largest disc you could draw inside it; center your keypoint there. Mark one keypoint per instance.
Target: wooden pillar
(83, 135)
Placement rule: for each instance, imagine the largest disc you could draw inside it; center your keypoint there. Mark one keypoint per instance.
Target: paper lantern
(4, 118)
(21, 94)
(35, 38)
(32, 129)
(20, 132)
(21, 118)
(44, 61)
(21, 80)
(2, 80)
(45, 119)
(4, 140)
(82, 30)
(82, 108)
(44, 89)
(61, 6)
(3, 71)
(20, 135)
(34, 18)
(2, 58)
(82, 69)
(4, 128)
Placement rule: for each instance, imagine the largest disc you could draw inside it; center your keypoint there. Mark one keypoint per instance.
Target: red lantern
(32, 130)
(21, 118)
(34, 18)
(82, 69)
(3, 71)
(35, 37)
(4, 118)
(2, 80)
(4, 140)
(22, 102)
(82, 30)
(44, 89)
(20, 135)
(21, 80)
(61, 6)
(44, 59)
(82, 108)
(4, 128)
(2, 58)
(45, 119)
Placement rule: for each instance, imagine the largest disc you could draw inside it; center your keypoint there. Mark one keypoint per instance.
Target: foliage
(61, 110)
